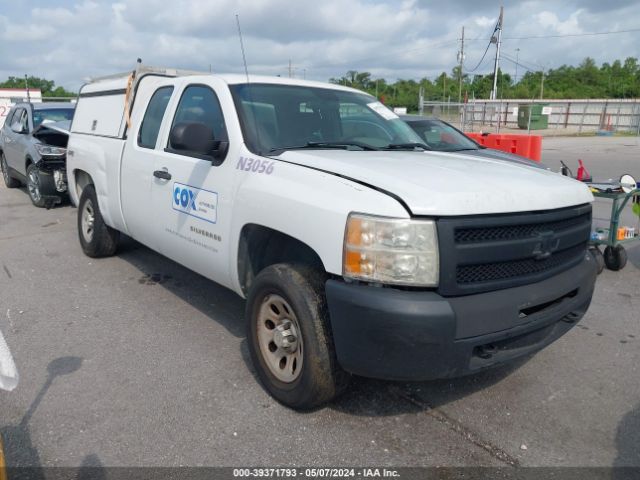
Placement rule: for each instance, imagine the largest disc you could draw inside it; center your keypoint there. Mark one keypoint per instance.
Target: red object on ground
(529, 146)
(582, 173)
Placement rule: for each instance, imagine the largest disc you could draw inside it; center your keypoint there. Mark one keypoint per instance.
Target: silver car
(33, 150)
(441, 136)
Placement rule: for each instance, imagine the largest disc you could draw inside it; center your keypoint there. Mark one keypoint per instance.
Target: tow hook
(486, 351)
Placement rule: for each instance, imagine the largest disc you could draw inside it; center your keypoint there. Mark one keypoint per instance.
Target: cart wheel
(615, 258)
(598, 257)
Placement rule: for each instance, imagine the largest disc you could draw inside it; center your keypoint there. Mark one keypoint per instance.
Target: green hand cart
(615, 256)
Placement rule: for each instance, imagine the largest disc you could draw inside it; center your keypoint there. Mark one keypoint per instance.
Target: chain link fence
(562, 116)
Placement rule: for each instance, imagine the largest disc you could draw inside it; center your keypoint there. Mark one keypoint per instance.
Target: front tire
(9, 181)
(289, 336)
(34, 186)
(96, 237)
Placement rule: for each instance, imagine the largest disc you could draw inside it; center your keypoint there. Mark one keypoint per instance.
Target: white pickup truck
(358, 251)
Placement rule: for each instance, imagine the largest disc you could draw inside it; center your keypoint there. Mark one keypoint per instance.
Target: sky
(70, 40)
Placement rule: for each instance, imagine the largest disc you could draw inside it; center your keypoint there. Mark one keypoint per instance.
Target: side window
(199, 104)
(19, 120)
(7, 120)
(148, 133)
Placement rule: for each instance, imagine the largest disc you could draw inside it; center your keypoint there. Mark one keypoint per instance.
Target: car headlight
(50, 151)
(394, 251)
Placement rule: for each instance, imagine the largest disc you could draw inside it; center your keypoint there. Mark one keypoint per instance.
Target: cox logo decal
(196, 202)
(184, 197)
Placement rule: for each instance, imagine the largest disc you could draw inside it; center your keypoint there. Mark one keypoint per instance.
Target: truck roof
(114, 83)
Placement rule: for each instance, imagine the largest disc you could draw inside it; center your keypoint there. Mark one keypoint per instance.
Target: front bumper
(416, 335)
(53, 178)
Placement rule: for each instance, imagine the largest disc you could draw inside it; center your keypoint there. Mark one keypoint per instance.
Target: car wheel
(9, 181)
(96, 237)
(289, 336)
(34, 186)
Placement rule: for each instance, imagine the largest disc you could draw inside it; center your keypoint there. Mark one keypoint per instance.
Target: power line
(586, 34)
(485, 50)
(390, 54)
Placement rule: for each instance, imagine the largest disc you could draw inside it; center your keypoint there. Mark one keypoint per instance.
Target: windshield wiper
(407, 146)
(328, 145)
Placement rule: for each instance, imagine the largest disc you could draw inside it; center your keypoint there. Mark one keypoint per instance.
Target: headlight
(395, 251)
(49, 151)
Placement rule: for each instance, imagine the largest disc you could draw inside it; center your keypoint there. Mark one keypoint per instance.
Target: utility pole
(289, 68)
(461, 62)
(444, 86)
(497, 41)
(515, 80)
(542, 85)
(26, 84)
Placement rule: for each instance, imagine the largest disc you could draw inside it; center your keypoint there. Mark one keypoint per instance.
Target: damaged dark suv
(33, 150)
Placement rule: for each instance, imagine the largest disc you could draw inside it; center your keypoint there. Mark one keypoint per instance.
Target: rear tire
(9, 181)
(298, 368)
(34, 186)
(96, 237)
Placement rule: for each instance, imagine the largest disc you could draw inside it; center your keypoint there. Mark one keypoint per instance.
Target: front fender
(309, 205)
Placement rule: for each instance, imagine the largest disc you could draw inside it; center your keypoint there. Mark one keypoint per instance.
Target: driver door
(191, 199)
(14, 139)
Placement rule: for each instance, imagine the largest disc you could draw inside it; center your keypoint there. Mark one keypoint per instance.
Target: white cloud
(551, 21)
(69, 40)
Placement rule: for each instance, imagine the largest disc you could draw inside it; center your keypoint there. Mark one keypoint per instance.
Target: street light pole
(498, 41)
(461, 62)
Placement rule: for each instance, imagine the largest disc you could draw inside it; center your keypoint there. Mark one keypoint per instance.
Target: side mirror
(196, 138)
(19, 128)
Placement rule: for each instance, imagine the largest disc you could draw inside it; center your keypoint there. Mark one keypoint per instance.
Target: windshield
(278, 117)
(441, 136)
(51, 115)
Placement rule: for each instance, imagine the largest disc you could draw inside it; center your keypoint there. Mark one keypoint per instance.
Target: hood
(447, 184)
(63, 126)
(500, 155)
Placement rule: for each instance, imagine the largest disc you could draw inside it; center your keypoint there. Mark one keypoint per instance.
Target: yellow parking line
(3, 472)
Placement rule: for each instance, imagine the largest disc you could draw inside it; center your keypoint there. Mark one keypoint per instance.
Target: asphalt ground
(135, 361)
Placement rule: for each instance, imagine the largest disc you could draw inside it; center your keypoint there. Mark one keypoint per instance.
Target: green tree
(47, 87)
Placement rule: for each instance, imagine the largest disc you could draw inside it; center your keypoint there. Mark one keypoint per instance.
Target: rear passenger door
(192, 199)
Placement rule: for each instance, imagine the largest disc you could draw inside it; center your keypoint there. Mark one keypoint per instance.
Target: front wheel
(289, 336)
(96, 237)
(34, 186)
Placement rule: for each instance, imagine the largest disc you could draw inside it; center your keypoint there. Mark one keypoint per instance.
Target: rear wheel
(34, 186)
(289, 336)
(96, 237)
(9, 181)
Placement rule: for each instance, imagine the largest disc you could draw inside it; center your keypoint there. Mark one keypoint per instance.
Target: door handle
(162, 174)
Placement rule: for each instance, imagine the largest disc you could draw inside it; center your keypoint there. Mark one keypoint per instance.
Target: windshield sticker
(195, 202)
(383, 111)
(256, 166)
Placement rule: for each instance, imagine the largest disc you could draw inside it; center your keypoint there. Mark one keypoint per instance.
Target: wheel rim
(34, 185)
(279, 338)
(88, 219)
(5, 170)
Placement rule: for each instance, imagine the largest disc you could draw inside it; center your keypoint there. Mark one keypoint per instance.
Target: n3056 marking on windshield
(196, 202)
(249, 164)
